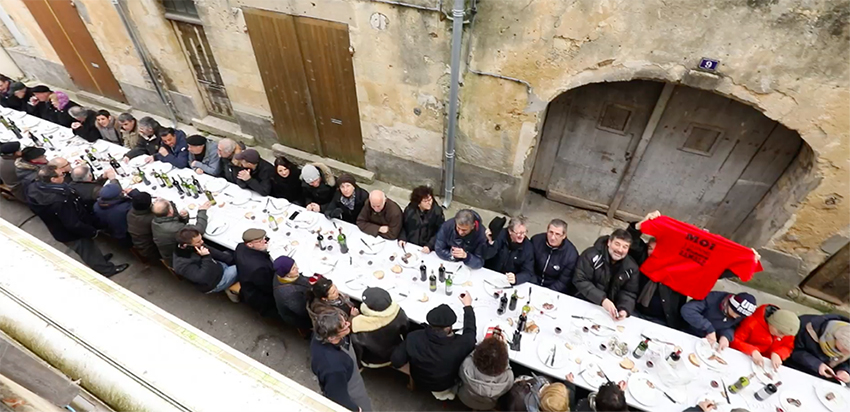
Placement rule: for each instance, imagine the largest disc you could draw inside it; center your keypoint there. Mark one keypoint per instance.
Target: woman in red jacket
(770, 331)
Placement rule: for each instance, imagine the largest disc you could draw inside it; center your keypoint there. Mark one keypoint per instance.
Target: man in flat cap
(256, 272)
(435, 353)
(203, 155)
(256, 173)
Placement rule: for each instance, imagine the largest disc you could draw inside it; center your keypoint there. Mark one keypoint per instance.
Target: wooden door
(831, 280)
(308, 76)
(196, 47)
(698, 151)
(73, 43)
(601, 130)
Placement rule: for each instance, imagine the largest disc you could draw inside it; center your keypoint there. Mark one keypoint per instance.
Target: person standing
(286, 183)
(256, 173)
(290, 293)
(555, 258)
(381, 218)
(348, 200)
(462, 239)
(203, 155)
(168, 221)
(139, 221)
(61, 210)
(607, 276)
(334, 362)
(716, 317)
(511, 253)
(421, 220)
(256, 272)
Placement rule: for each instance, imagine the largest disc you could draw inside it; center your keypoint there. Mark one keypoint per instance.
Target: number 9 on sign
(708, 64)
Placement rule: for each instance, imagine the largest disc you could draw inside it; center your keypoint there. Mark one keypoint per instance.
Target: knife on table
(725, 392)
(367, 245)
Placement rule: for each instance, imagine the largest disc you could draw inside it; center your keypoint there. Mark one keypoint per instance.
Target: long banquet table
(575, 351)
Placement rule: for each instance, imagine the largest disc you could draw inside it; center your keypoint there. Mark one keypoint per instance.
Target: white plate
(47, 128)
(278, 206)
(704, 351)
(413, 261)
(461, 275)
(375, 244)
(160, 167)
(356, 284)
(305, 220)
(544, 352)
(215, 185)
(590, 375)
(597, 318)
(641, 391)
(324, 267)
(839, 404)
(790, 393)
(138, 161)
(237, 192)
(238, 201)
(761, 373)
(218, 229)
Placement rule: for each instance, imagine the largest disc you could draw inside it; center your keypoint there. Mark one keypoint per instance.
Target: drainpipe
(121, 6)
(457, 35)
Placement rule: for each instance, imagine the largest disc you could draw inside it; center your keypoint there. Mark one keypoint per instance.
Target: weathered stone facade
(787, 58)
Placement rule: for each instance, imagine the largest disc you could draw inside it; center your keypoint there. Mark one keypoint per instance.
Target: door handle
(336, 121)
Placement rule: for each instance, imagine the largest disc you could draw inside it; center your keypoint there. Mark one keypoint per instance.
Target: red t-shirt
(689, 260)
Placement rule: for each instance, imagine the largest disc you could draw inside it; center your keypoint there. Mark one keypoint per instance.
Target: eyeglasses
(518, 233)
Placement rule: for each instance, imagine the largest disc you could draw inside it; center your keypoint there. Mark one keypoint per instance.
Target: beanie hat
(283, 265)
(142, 201)
(442, 316)
(196, 140)
(743, 303)
(309, 173)
(377, 299)
(10, 147)
(346, 178)
(786, 322)
(250, 156)
(31, 153)
(110, 191)
(17, 86)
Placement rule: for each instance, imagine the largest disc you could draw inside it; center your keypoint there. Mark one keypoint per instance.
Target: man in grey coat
(167, 222)
(203, 155)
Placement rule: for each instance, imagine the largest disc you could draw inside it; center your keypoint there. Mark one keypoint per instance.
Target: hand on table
(843, 376)
(465, 298)
(163, 151)
(776, 361)
(707, 405)
(610, 307)
(202, 250)
(622, 315)
(184, 213)
(383, 229)
(244, 175)
(723, 343)
(199, 171)
(757, 358)
(126, 159)
(458, 253)
(205, 206)
(511, 278)
(149, 159)
(426, 250)
(313, 207)
(711, 338)
(76, 125)
(571, 378)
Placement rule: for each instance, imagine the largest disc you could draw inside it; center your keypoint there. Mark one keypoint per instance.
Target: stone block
(115, 107)
(782, 272)
(833, 244)
(259, 126)
(224, 128)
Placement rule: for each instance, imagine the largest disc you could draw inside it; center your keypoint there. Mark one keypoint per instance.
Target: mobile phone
(294, 215)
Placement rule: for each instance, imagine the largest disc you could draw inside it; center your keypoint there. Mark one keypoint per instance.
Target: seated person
(770, 331)
(485, 375)
(149, 142)
(173, 148)
(85, 123)
(18, 97)
(111, 210)
(716, 317)
(10, 152)
(256, 273)
(58, 108)
(606, 275)
(168, 221)
(109, 129)
(381, 217)
(318, 186)
(290, 293)
(324, 294)
(334, 363)
(129, 130)
(229, 167)
(26, 169)
(379, 329)
(139, 221)
(462, 239)
(421, 220)
(209, 269)
(286, 181)
(435, 353)
(538, 393)
(511, 253)
(611, 397)
(822, 347)
(554, 258)
(256, 173)
(203, 155)
(348, 200)
(63, 166)
(87, 186)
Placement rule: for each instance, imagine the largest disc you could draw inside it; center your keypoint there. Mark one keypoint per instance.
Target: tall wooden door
(831, 280)
(61, 24)
(308, 76)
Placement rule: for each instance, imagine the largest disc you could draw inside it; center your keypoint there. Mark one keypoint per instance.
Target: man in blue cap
(716, 317)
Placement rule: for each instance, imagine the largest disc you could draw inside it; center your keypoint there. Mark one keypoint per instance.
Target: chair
(167, 266)
(6, 192)
(143, 260)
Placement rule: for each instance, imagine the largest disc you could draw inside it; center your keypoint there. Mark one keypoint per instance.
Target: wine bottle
(343, 244)
(144, 178)
(179, 190)
(210, 197)
(449, 285)
(48, 141)
(197, 184)
(641, 348)
(15, 130)
(166, 180)
(34, 140)
(272, 223)
(90, 155)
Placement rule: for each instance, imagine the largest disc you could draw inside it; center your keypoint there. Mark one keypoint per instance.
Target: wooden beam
(34, 374)
(645, 137)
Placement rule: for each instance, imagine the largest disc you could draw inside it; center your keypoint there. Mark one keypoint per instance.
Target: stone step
(301, 158)
(90, 99)
(223, 128)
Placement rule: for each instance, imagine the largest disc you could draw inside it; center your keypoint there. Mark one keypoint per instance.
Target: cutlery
(554, 354)
(654, 386)
(367, 245)
(657, 340)
(551, 354)
(402, 248)
(725, 392)
(603, 373)
(580, 317)
(606, 327)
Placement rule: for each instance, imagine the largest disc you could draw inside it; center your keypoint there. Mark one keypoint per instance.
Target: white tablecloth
(353, 271)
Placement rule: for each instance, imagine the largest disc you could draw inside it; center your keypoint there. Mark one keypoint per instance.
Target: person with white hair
(511, 253)
(822, 347)
(382, 217)
(85, 123)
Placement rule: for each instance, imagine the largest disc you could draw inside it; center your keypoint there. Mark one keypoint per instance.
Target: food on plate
(294, 243)
(424, 298)
(717, 359)
(693, 358)
(249, 215)
(830, 396)
(769, 375)
(567, 344)
(795, 402)
(595, 327)
(511, 321)
(221, 204)
(396, 269)
(532, 328)
(635, 369)
(467, 283)
(650, 384)
(620, 328)
(548, 306)
(137, 179)
(379, 274)
(627, 364)
(406, 257)
(192, 206)
(578, 361)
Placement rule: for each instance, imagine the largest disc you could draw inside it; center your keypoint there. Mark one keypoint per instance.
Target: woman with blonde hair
(538, 394)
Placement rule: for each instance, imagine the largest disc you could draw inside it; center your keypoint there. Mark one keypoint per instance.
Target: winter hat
(41, 89)
(31, 153)
(786, 322)
(346, 178)
(743, 303)
(17, 86)
(250, 156)
(196, 140)
(110, 191)
(142, 201)
(10, 147)
(377, 299)
(283, 265)
(309, 173)
(251, 235)
(442, 316)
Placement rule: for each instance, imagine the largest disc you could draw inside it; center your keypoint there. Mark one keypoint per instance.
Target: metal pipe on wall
(457, 36)
(143, 55)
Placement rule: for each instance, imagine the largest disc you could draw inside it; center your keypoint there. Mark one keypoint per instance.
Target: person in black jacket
(656, 302)
(554, 258)
(5, 90)
(822, 347)
(256, 272)
(110, 212)
(209, 269)
(435, 353)
(59, 107)
(462, 239)
(318, 186)
(149, 141)
(421, 220)
(256, 173)
(290, 293)
(84, 183)
(333, 361)
(286, 182)
(606, 275)
(227, 149)
(347, 201)
(379, 329)
(61, 210)
(511, 253)
(85, 123)
(17, 97)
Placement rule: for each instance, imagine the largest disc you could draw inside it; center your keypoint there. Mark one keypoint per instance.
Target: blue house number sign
(708, 64)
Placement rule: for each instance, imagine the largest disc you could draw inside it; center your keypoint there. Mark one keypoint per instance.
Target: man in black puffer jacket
(379, 328)
(511, 253)
(209, 269)
(607, 276)
(554, 258)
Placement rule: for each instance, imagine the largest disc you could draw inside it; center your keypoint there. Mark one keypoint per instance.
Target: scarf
(109, 132)
(61, 100)
(827, 339)
(348, 202)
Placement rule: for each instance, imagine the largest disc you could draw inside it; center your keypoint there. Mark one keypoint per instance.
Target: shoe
(118, 269)
(108, 256)
(233, 296)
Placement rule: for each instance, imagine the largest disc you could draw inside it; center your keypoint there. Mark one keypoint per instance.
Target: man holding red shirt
(770, 332)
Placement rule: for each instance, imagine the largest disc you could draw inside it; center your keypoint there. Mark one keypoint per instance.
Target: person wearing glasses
(256, 272)
(511, 253)
(168, 221)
